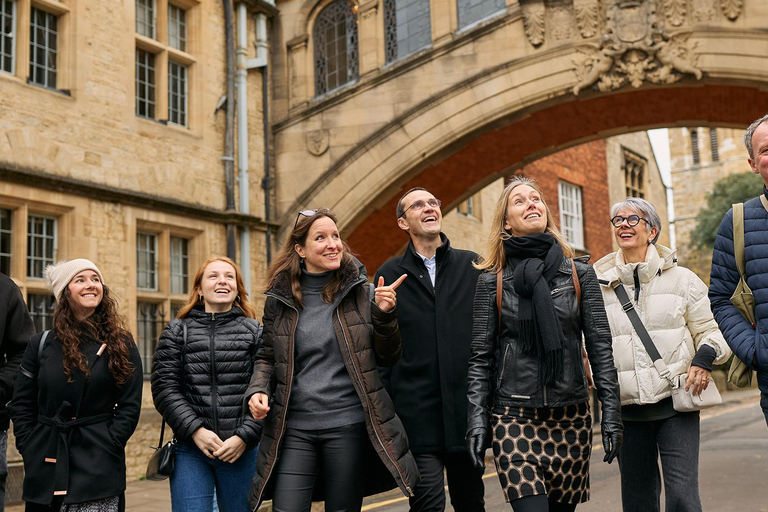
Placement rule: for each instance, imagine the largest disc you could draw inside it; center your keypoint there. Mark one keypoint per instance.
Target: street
(733, 467)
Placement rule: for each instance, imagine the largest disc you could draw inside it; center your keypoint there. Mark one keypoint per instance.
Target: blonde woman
(528, 389)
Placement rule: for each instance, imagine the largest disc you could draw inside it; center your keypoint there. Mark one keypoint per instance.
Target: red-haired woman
(77, 398)
(198, 384)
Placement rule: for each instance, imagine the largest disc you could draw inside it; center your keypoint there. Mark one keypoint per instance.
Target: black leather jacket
(499, 366)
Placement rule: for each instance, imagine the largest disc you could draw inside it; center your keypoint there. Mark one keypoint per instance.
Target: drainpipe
(228, 158)
(243, 65)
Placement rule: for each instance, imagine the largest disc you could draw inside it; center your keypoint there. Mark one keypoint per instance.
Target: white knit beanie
(60, 274)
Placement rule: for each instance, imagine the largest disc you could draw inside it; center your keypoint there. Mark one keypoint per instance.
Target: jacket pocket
(503, 366)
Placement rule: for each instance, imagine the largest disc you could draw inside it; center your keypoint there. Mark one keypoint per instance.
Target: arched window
(407, 27)
(335, 40)
(472, 11)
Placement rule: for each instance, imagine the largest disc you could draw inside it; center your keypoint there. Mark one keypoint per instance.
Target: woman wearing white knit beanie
(77, 398)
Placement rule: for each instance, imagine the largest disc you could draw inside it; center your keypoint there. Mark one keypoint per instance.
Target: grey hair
(645, 209)
(750, 132)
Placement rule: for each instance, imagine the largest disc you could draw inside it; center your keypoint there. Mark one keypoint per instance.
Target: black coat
(16, 328)
(500, 367)
(90, 457)
(429, 382)
(211, 395)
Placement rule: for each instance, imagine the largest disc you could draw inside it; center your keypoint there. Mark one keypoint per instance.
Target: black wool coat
(429, 382)
(83, 426)
(217, 367)
(16, 328)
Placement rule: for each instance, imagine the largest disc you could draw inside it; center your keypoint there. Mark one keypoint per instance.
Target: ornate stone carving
(704, 11)
(635, 49)
(674, 10)
(561, 24)
(533, 21)
(587, 16)
(318, 141)
(731, 8)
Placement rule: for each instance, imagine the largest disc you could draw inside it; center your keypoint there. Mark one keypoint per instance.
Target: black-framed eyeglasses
(632, 220)
(420, 205)
(307, 213)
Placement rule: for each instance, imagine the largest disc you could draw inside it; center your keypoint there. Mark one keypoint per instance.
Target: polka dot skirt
(543, 451)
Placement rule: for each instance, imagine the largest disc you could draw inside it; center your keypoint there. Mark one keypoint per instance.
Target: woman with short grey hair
(673, 306)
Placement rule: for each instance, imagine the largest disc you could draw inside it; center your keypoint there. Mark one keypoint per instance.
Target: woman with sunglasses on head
(528, 387)
(77, 398)
(672, 303)
(330, 432)
(202, 367)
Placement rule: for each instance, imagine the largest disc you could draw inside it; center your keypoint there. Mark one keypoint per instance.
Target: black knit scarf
(535, 260)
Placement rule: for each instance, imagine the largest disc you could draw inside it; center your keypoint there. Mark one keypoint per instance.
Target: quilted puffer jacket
(217, 367)
(673, 305)
(367, 337)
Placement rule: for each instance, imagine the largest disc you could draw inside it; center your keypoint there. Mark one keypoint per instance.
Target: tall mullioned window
(571, 219)
(407, 27)
(634, 175)
(472, 11)
(7, 35)
(150, 321)
(713, 144)
(336, 52)
(177, 28)
(146, 261)
(695, 146)
(145, 84)
(179, 265)
(41, 306)
(41, 244)
(43, 48)
(177, 93)
(5, 241)
(145, 18)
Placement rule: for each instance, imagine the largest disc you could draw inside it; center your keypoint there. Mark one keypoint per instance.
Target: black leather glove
(477, 440)
(613, 436)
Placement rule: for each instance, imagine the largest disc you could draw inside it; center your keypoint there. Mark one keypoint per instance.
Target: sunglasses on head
(308, 213)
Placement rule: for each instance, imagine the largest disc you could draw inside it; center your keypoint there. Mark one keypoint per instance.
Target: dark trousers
(465, 483)
(339, 452)
(55, 505)
(540, 503)
(676, 440)
(764, 405)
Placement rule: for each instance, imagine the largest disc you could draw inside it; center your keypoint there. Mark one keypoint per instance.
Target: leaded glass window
(571, 220)
(43, 47)
(177, 28)
(145, 18)
(41, 308)
(695, 146)
(179, 265)
(7, 35)
(146, 261)
(713, 144)
(177, 93)
(407, 27)
(5, 241)
(634, 175)
(150, 320)
(41, 244)
(335, 40)
(145, 84)
(472, 11)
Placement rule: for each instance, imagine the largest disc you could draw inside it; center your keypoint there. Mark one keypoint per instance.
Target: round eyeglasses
(420, 205)
(632, 220)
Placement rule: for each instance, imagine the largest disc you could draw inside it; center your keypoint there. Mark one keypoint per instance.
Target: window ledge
(51, 6)
(181, 57)
(149, 44)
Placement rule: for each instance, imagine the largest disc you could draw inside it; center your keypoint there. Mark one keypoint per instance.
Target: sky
(660, 144)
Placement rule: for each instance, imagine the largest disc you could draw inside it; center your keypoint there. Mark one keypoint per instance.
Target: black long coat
(88, 444)
(429, 382)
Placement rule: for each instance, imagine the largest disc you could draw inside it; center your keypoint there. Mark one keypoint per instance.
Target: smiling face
(426, 222)
(759, 163)
(85, 292)
(218, 287)
(322, 250)
(633, 239)
(526, 212)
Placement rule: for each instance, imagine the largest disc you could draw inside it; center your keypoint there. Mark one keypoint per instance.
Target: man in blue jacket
(749, 343)
(429, 383)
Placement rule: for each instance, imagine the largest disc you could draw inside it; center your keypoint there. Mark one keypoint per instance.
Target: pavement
(733, 465)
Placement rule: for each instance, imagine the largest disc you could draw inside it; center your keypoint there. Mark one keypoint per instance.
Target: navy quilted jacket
(749, 343)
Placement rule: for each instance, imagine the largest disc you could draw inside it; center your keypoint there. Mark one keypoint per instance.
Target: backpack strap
(738, 237)
(41, 346)
(498, 296)
(576, 284)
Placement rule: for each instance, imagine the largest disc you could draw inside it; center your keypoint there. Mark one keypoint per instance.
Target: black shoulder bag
(163, 461)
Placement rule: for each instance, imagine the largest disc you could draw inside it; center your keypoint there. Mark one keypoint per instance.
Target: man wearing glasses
(429, 383)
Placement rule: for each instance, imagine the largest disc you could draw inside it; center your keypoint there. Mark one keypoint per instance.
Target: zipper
(545, 396)
(560, 289)
(503, 365)
(288, 394)
(365, 395)
(214, 390)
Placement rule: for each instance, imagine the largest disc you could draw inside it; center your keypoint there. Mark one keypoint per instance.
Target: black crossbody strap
(183, 354)
(637, 323)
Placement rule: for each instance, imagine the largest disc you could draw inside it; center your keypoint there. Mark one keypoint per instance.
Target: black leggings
(337, 453)
(540, 503)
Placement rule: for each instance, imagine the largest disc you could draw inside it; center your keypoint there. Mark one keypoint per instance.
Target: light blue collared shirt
(431, 264)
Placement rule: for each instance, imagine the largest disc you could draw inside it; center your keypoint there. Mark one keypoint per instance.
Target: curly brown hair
(105, 325)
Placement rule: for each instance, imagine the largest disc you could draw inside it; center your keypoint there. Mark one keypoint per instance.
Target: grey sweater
(322, 395)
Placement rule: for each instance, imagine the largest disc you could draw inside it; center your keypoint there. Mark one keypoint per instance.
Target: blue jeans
(195, 476)
(676, 440)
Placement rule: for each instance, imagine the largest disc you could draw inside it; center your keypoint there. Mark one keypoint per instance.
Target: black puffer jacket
(212, 394)
(499, 366)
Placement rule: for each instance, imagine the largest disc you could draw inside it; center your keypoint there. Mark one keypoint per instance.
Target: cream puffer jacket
(673, 305)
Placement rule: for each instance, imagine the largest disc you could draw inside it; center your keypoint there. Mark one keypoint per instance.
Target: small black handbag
(162, 462)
